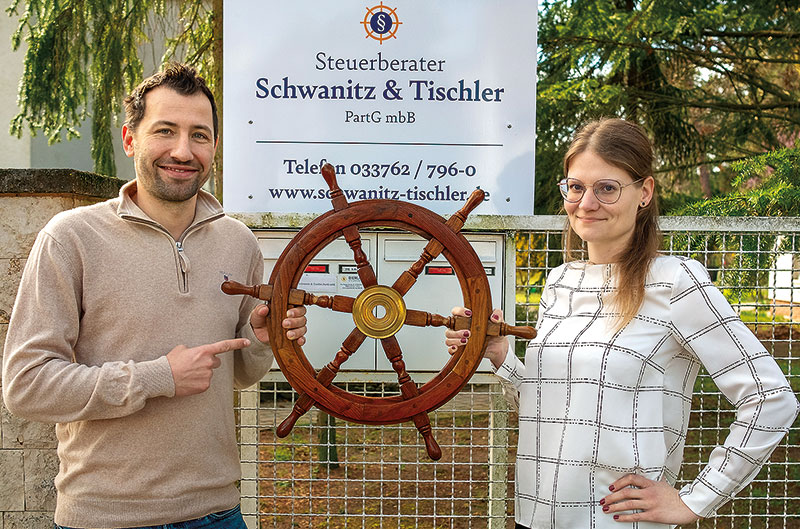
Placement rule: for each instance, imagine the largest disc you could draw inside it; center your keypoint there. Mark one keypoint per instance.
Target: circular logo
(381, 22)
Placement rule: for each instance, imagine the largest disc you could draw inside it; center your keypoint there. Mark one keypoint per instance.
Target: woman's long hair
(625, 145)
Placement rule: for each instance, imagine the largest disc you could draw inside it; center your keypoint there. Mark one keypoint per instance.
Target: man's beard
(175, 192)
(167, 191)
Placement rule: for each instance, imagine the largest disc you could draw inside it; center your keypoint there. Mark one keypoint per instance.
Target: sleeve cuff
(708, 492)
(156, 378)
(510, 369)
(256, 347)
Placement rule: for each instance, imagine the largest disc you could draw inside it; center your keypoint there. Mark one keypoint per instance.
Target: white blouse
(596, 404)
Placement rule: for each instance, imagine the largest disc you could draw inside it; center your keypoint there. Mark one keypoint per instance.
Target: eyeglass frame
(622, 186)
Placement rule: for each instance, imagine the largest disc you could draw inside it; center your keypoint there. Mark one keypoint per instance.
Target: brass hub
(366, 306)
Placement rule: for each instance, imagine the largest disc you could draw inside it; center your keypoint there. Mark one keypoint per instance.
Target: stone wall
(28, 460)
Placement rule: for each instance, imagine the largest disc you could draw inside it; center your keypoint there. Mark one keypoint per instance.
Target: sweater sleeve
(42, 381)
(707, 326)
(254, 361)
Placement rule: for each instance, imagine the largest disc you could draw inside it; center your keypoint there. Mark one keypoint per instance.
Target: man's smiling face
(173, 145)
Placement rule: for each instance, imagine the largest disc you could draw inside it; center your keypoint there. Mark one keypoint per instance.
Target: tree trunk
(216, 183)
(705, 180)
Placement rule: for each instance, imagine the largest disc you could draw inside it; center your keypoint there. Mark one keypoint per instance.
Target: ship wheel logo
(381, 23)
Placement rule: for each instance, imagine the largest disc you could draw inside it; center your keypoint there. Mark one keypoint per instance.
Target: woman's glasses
(607, 191)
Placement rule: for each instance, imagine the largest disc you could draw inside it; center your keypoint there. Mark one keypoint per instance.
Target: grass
(384, 478)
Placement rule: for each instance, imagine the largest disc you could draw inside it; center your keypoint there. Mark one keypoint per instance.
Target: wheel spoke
(392, 350)
(336, 303)
(409, 390)
(434, 247)
(351, 235)
(365, 271)
(325, 377)
(297, 297)
(419, 318)
(338, 200)
(409, 277)
(423, 424)
(234, 288)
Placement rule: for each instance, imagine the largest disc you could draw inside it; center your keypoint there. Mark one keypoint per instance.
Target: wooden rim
(407, 217)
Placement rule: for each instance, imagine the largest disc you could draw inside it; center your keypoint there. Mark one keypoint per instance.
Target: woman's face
(606, 228)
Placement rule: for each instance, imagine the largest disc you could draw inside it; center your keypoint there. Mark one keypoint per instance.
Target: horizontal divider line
(424, 144)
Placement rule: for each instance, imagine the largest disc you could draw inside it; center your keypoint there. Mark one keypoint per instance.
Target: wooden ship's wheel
(414, 403)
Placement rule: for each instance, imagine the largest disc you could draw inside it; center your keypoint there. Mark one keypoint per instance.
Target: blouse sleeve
(707, 326)
(512, 370)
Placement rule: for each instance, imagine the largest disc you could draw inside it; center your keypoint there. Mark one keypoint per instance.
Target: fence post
(248, 452)
(326, 451)
(498, 458)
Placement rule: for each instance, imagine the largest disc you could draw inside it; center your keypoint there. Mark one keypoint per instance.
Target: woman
(606, 387)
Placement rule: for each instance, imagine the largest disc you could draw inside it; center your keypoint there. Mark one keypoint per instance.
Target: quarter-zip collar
(207, 208)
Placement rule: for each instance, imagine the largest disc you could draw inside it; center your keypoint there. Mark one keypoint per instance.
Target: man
(121, 335)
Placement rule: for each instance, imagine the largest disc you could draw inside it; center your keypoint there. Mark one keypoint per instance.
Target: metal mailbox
(437, 290)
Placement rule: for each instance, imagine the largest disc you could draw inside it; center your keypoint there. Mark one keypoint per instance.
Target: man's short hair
(182, 78)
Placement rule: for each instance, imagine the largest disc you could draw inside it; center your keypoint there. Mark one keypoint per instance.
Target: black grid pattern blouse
(596, 404)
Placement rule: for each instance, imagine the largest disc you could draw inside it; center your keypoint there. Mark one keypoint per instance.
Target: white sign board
(417, 101)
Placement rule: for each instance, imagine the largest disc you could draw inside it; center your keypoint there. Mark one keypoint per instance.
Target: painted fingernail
(603, 501)
(605, 508)
(466, 334)
(616, 516)
(468, 312)
(611, 487)
(463, 340)
(495, 317)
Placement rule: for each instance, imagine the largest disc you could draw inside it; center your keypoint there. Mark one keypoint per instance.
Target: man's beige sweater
(105, 295)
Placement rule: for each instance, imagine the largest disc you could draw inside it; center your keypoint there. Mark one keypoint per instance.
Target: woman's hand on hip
(655, 501)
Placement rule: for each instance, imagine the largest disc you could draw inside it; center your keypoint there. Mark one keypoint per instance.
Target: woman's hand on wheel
(496, 346)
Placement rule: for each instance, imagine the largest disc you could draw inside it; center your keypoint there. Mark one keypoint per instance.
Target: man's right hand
(192, 367)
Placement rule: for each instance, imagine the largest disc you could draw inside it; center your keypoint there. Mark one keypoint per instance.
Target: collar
(207, 208)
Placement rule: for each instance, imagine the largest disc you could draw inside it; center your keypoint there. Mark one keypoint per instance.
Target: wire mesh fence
(330, 473)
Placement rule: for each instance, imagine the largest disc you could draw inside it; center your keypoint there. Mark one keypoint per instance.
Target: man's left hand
(295, 323)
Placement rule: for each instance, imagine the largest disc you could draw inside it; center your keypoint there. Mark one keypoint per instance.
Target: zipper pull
(182, 257)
